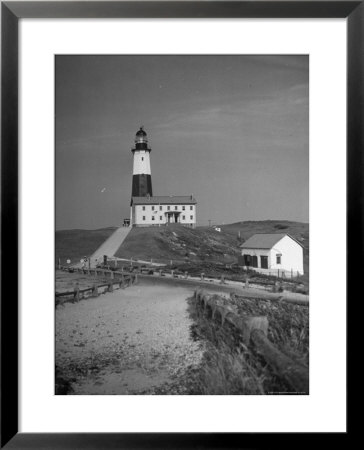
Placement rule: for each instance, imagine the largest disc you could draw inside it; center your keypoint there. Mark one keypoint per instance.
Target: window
(152, 217)
(183, 208)
(264, 262)
(160, 217)
(160, 208)
(191, 208)
(168, 207)
(143, 217)
(279, 259)
(143, 208)
(176, 207)
(152, 208)
(191, 217)
(183, 217)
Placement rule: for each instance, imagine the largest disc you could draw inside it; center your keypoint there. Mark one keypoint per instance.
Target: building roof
(165, 200)
(265, 241)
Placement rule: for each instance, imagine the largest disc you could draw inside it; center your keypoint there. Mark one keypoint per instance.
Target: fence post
(95, 291)
(59, 263)
(246, 281)
(186, 274)
(122, 282)
(172, 273)
(160, 273)
(110, 287)
(111, 275)
(76, 294)
(202, 275)
(116, 262)
(222, 281)
(136, 279)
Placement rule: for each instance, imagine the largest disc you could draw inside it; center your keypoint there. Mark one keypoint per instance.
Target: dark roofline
(268, 248)
(171, 200)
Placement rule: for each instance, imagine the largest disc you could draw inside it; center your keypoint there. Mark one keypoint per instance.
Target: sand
(132, 341)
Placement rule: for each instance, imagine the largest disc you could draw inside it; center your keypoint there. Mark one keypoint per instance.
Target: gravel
(132, 341)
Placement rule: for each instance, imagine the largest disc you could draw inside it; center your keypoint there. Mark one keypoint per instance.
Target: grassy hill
(74, 244)
(204, 243)
(177, 243)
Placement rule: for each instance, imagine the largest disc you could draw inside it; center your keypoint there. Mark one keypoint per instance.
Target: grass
(75, 244)
(230, 368)
(178, 243)
(288, 324)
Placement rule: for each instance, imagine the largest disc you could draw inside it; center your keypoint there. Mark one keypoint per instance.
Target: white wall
(292, 255)
(159, 215)
(141, 162)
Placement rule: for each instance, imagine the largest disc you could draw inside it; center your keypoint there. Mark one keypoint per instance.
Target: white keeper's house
(273, 254)
(147, 210)
(162, 210)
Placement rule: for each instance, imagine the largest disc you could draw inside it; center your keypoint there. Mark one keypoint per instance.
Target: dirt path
(132, 341)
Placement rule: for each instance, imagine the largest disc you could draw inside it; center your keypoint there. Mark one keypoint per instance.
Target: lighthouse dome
(141, 132)
(141, 140)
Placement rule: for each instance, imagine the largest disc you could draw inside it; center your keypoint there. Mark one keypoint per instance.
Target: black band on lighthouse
(142, 185)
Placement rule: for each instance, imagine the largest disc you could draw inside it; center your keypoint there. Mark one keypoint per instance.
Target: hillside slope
(178, 243)
(75, 244)
(204, 243)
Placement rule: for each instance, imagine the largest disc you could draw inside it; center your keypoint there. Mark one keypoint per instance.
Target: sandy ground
(132, 341)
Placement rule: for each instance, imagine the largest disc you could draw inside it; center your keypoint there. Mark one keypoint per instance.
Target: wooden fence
(118, 280)
(252, 332)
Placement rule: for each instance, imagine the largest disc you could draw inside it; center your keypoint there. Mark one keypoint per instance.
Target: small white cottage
(270, 253)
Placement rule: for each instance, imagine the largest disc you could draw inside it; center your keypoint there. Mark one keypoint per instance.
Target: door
(247, 260)
(264, 262)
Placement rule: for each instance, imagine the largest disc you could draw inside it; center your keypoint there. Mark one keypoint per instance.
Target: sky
(233, 130)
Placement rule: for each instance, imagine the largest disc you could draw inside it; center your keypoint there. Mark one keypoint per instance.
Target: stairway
(110, 246)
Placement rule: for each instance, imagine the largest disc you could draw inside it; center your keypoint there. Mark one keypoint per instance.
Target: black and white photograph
(181, 224)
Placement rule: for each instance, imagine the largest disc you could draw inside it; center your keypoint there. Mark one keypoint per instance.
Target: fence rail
(95, 290)
(274, 287)
(252, 332)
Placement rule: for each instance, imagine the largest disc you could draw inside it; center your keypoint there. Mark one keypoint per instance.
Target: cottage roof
(265, 241)
(165, 200)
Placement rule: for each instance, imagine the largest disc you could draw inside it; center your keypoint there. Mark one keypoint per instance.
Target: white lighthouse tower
(142, 179)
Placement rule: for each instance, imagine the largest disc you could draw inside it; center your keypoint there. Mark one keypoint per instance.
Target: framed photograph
(181, 197)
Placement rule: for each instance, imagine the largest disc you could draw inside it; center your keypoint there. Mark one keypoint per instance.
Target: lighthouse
(147, 210)
(142, 179)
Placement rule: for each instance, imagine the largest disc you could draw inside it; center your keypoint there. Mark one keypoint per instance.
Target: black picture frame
(11, 12)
